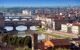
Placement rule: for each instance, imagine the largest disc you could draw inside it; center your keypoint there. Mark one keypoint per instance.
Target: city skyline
(39, 3)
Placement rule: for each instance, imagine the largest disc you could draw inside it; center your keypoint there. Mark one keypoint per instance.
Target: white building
(48, 20)
(66, 27)
(26, 12)
(76, 29)
(61, 14)
(43, 20)
(71, 28)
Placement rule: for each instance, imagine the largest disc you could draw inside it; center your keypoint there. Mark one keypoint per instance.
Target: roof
(76, 24)
(48, 43)
(62, 42)
(76, 39)
(73, 24)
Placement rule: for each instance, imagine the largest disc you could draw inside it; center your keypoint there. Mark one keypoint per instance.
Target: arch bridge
(20, 20)
(26, 21)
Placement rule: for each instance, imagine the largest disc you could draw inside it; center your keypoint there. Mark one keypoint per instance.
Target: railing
(17, 17)
(29, 22)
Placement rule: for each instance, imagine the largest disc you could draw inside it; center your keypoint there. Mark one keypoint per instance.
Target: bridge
(21, 20)
(24, 23)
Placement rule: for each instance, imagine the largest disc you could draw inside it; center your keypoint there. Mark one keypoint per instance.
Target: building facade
(26, 12)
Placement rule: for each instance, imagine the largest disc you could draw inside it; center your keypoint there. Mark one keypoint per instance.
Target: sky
(38, 3)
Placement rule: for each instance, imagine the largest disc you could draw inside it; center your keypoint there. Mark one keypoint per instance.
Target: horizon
(39, 3)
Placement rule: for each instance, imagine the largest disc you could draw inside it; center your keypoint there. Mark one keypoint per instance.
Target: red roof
(61, 42)
(76, 24)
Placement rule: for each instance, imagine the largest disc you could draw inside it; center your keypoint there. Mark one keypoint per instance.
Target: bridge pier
(14, 28)
(28, 27)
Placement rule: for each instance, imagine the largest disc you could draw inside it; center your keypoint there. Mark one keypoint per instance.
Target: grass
(42, 31)
(19, 48)
(62, 49)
